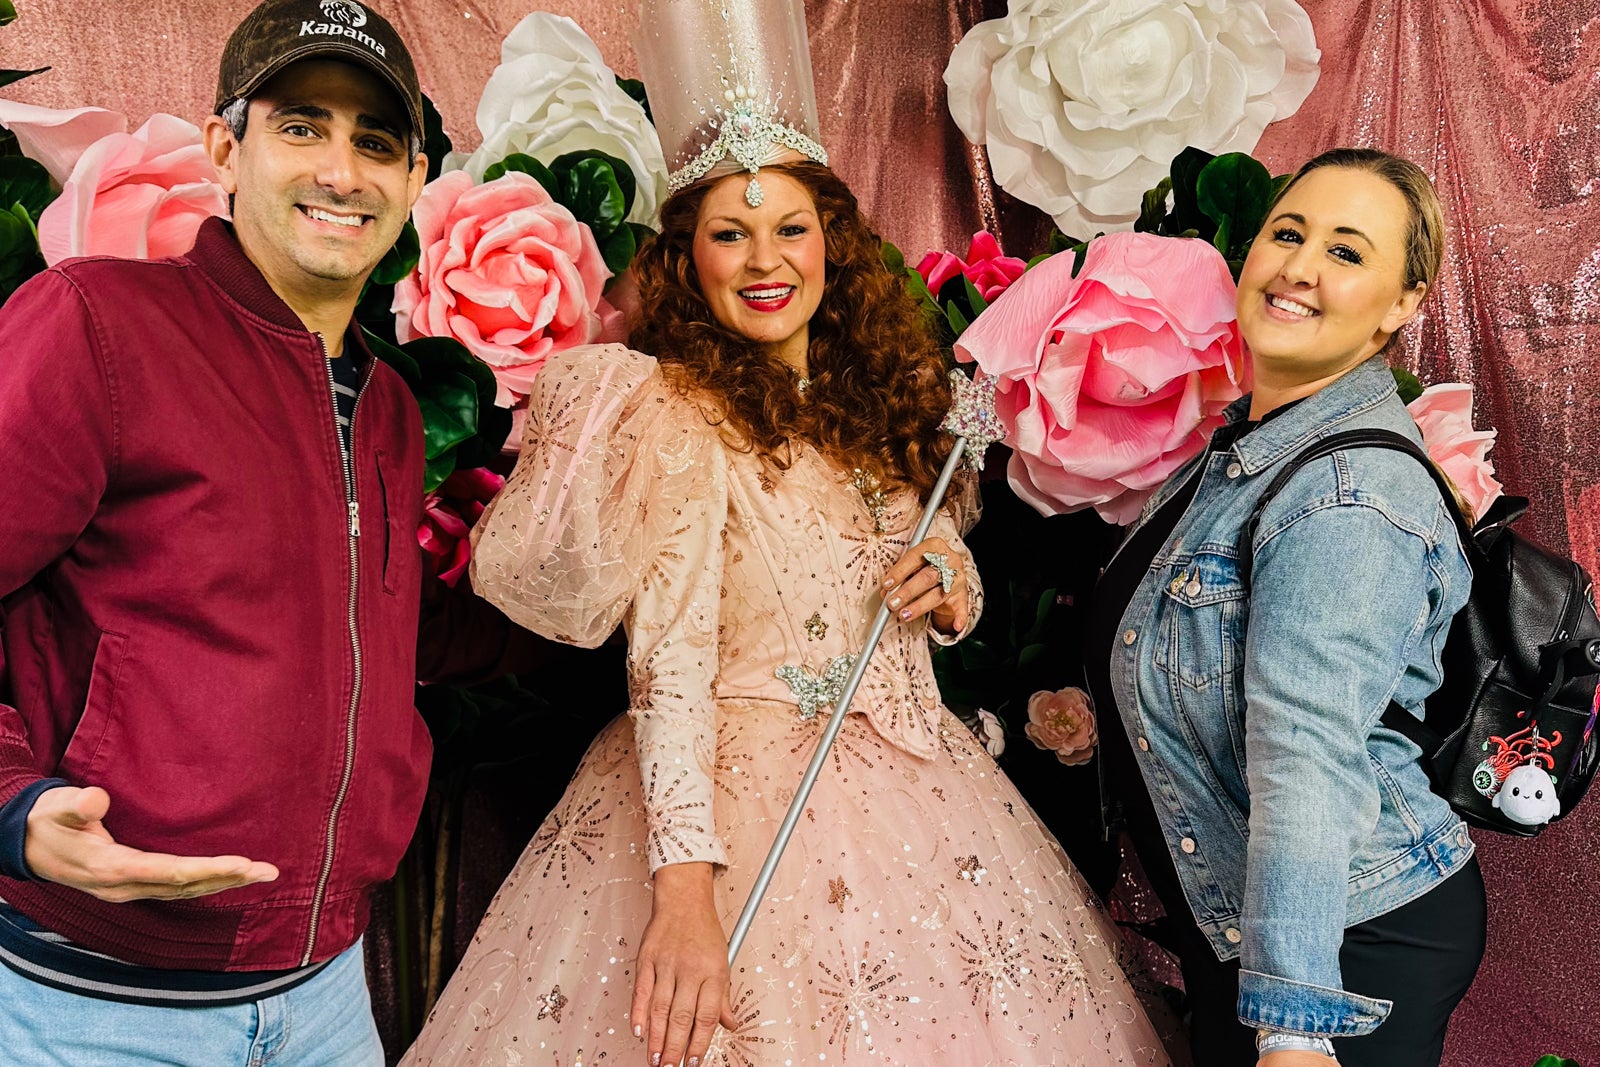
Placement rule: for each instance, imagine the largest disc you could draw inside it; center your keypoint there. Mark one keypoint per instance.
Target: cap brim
(342, 51)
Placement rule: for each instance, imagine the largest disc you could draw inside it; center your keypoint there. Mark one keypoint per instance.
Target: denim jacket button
(1187, 844)
(1234, 470)
(1233, 936)
(1193, 588)
(1130, 636)
(1144, 746)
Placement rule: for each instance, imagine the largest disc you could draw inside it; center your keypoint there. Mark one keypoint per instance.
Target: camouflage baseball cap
(281, 32)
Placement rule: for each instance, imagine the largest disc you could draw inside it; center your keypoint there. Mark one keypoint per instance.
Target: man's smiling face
(321, 181)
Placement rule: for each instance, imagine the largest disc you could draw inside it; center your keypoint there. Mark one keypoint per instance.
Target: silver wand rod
(840, 708)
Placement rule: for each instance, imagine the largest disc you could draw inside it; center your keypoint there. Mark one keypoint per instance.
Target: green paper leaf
(893, 258)
(25, 181)
(958, 321)
(1280, 183)
(397, 358)
(635, 88)
(1154, 211)
(8, 12)
(975, 299)
(8, 77)
(1185, 176)
(437, 469)
(1079, 251)
(527, 165)
(400, 260)
(591, 189)
(1224, 234)
(1555, 1061)
(1038, 259)
(435, 142)
(1236, 190)
(625, 178)
(1060, 242)
(618, 250)
(19, 250)
(1409, 385)
(449, 414)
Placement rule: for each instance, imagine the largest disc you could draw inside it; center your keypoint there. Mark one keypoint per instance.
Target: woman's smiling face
(762, 269)
(1323, 286)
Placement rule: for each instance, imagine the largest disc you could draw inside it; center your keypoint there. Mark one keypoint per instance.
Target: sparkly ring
(941, 563)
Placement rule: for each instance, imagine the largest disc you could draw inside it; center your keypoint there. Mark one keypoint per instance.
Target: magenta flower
(990, 272)
(1110, 381)
(448, 515)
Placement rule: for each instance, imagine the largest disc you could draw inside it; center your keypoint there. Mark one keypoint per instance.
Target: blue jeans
(325, 1021)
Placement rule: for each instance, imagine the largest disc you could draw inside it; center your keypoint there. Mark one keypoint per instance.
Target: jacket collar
(217, 252)
(1361, 389)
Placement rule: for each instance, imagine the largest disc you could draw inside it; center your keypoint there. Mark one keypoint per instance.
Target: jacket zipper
(354, 532)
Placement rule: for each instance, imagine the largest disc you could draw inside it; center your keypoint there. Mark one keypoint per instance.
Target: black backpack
(1521, 663)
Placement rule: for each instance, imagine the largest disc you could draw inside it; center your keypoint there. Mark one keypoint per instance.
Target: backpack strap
(1394, 717)
(1327, 446)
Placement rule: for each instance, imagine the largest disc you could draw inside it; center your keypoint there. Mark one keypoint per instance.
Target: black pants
(1422, 956)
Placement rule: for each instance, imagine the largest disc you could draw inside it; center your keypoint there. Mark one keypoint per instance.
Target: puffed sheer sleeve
(561, 550)
(615, 513)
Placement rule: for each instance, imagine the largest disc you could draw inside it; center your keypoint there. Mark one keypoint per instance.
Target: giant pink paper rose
(506, 271)
(1110, 381)
(991, 272)
(1444, 415)
(139, 195)
(448, 515)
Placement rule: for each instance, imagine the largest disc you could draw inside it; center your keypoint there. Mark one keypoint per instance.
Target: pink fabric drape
(1498, 99)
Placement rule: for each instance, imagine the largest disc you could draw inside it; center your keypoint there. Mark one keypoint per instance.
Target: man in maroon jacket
(209, 587)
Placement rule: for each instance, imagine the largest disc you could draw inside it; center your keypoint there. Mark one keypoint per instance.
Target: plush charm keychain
(1516, 775)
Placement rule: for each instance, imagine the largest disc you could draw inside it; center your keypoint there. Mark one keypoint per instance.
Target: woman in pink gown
(737, 504)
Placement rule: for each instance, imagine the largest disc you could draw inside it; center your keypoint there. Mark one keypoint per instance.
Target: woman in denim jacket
(1317, 892)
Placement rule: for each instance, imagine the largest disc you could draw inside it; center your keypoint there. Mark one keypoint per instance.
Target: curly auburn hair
(878, 382)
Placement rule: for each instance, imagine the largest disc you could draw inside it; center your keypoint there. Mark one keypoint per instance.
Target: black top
(1126, 802)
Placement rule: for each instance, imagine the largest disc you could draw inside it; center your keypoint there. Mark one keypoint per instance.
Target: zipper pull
(355, 520)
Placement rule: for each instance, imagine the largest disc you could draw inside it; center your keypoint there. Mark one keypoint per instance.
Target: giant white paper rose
(1084, 103)
(553, 94)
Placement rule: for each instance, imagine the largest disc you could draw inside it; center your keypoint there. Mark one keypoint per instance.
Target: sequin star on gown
(921, 914)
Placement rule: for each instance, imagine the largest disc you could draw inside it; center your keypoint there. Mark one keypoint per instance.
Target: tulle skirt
(921, 915)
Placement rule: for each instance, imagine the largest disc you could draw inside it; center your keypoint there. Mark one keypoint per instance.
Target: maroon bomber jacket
(188, 621)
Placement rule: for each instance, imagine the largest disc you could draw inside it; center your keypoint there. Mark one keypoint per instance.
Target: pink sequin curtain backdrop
(1499, 99)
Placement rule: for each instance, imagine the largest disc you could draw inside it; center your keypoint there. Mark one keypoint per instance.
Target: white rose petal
(992, 733)
(1083, 104)
(553, 94)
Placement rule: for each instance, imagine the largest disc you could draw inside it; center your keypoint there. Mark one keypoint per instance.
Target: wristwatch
(1281, 1041)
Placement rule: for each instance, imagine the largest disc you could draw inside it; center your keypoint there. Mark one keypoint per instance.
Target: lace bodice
(737, 582)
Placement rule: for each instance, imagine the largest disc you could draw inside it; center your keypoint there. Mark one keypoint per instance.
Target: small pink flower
(506, 271)
(1444, 415)
(1063, 722)
(1110, 381)
(448, 514)
(140, 195)
(991, 273)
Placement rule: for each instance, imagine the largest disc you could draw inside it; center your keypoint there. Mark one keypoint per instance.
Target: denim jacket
(1289, 810)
